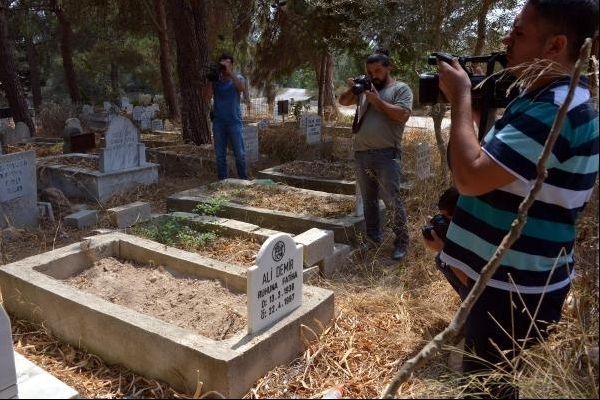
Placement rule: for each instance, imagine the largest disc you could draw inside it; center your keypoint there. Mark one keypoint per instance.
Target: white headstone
(124, 102)
(157, 125)
(73, 123)
(311, 125)
(106, 105)
(274, 287)
(18, 189)
(87, 109)
(8, 371)
(423, 161)
(250, 137)
(145, 123)
(123, 149)
(137, 113)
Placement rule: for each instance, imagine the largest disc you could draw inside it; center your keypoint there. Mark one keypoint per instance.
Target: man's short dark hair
(381, 55)
(448, 200)
(577, 19)
(226, 56)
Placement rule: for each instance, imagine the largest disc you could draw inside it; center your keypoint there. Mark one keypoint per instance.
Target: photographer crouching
(383, 107)
(526, 294)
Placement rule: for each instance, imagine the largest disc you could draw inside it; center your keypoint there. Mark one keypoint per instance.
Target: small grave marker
(423, 162)
(311, 125)
(250, 136)
(106, 105)
(274, 286)
(137, 113)
(157, 125)
(8, 371)
(18, 189)
(87, 109)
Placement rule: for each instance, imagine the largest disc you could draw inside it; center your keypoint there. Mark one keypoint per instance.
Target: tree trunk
(482, 26)
(166, 72)
(8, 75)
(270, 95)
(66, 50)
(329, 102)
(34, 76)
(437, 114)
(114, 81)
(320, 72)
(189, 21)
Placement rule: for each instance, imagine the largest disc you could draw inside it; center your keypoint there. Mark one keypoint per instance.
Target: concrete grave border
(32, 290)
(175, 164)
(338, 186)
(344, 228)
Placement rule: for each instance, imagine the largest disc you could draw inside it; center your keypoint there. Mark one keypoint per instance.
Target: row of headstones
(144, 115)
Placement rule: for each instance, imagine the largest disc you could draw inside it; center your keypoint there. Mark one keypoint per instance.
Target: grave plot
(323, 175)
(128, 300)
(237, 242)
(118, 167)
(187, 159)
(278, 207)
(162, 139)
(43, 147)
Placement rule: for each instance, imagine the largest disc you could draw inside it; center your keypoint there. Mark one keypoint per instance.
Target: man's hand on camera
(454, 81)
(436, 244)
(373, 96)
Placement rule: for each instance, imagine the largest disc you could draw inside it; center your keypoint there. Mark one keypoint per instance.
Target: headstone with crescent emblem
(274, 287)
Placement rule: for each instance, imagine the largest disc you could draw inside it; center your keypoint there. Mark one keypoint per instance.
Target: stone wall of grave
(18, 190)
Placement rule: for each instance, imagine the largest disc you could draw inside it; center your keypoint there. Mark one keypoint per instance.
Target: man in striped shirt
(495, 176)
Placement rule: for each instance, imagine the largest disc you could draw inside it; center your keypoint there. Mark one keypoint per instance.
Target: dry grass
(41, 150)
(320, 169)
(385, 313)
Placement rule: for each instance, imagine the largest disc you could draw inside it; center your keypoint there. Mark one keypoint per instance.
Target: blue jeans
(229, 133)
(378, 174)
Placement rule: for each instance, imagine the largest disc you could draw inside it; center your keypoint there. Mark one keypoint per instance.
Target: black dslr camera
(214, 71)
(362, 83)
(493, 91)
(438, 223)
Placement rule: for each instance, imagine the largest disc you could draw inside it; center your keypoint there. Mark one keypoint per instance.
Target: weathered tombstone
(87, 109)
(18, 190)
(124, 102)
(423, 162)
(8, 371)
(274, 286)
(75, 140)
(156, 125)
(123, 149)
(250, 137)
(311, 126)
(19, 134)
(106, 105)
(45, 211)
(137, 113)
(145, 124)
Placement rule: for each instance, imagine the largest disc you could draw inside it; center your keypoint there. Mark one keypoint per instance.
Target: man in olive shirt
(383, 111)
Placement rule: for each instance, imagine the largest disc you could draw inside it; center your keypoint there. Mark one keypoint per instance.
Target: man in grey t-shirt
(383, 111)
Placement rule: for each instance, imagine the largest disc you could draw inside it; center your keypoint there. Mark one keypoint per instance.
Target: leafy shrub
(211, 207)
(173, 231)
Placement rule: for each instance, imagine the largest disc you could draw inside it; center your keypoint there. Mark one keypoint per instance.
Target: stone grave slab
(345, 228)
(33, 289)
(18, 190)
(121, 165)
(274, 286)
(250, 137)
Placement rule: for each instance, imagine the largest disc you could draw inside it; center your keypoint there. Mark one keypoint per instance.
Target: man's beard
(380, 84)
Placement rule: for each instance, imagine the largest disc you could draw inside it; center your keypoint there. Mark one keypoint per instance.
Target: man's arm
(396, 113)
(238, 83)
(474, 172)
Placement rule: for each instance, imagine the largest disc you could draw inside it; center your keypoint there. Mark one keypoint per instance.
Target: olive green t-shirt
(377, 130)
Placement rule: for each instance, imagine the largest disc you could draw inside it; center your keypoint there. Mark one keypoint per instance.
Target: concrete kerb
(32, 290)
(345, 228)
(309, 182)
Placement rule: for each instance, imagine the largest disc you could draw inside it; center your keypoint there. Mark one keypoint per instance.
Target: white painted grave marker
(423, 167)
(8, 372)
(157, 125)
(250, 137)
(123, 149)
(311, 125)
(137, 113)
(274, 287)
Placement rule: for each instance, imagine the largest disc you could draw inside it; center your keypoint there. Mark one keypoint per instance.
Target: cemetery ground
(384, 313)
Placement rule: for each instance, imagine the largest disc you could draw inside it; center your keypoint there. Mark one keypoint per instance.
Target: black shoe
(398, 254)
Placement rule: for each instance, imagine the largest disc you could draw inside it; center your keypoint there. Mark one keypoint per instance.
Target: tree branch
(513, 234)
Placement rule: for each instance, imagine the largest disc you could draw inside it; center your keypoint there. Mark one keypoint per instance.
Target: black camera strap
(358, 116)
